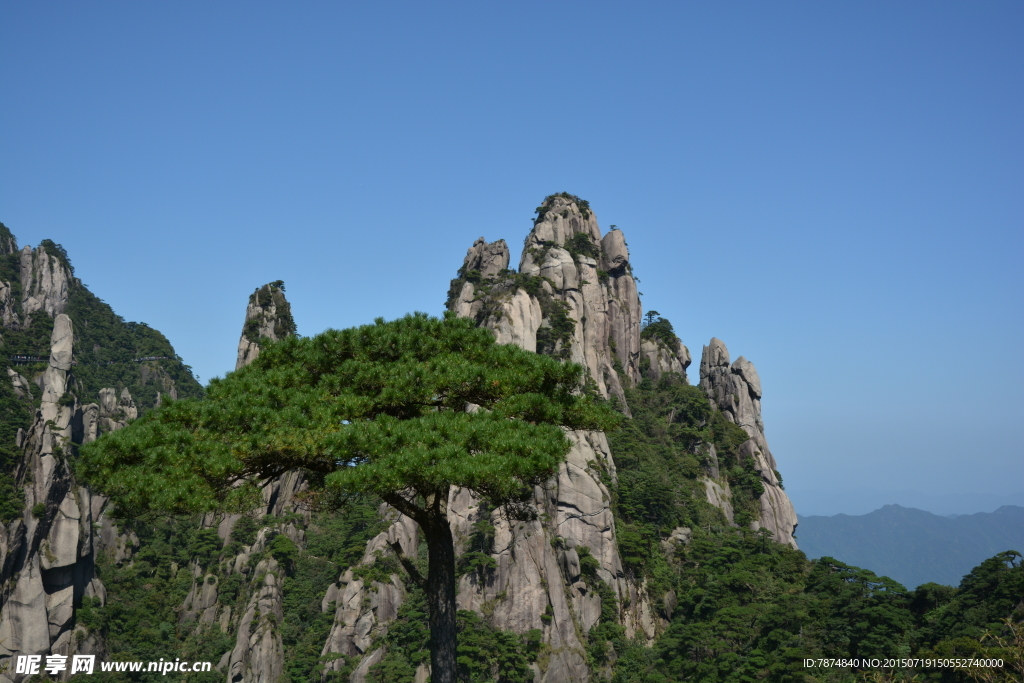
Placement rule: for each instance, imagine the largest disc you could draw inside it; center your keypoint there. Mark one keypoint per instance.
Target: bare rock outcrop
(362, 612)
(268, 317)
(258, 653)
(658, 358)
(735, 389)
(574, 297)
(45, 282)
(486, 259)
(48, 558)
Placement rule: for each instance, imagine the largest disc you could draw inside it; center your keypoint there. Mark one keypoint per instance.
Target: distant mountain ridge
(913, 546)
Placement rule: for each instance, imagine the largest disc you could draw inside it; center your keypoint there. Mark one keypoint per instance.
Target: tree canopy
(403, 410)
(378, 409)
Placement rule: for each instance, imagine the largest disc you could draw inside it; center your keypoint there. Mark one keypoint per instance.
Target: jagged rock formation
(573, 297)
(48, 553)
(735, 389)
(258, 654)
(658, 358)
(45, 283)
(268, 316)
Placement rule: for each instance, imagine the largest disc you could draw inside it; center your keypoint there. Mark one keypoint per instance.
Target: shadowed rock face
(735, 389)
(47, 555)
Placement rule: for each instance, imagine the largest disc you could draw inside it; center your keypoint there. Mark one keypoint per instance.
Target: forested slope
(914, 546)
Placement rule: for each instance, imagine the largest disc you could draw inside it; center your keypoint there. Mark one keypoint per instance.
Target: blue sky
(835, 190)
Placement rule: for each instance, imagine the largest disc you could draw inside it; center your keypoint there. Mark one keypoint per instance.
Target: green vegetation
(743, 608)
(15, 412)
(661, 329)
(661, 454)
(581, 244)
(582, 204)
(107, 350)
(553, 339)
(378, 410)
(272, 296)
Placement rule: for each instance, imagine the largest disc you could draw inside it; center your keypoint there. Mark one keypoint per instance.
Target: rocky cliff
(267, 317)
(50, 539)
(574, 297)
(735, 389)
(285, 594)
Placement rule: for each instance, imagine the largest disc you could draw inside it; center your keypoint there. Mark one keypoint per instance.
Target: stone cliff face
(258, 655)
(48, 552)
(735, 389)
(268, 317)
(573, 297)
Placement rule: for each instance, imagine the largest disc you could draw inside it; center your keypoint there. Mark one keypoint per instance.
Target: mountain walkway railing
(25, 360)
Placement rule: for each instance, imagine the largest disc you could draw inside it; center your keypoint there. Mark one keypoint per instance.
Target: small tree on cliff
(384, 409)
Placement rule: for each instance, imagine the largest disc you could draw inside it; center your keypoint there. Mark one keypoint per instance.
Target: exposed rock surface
(45, 282)
(659, 358)
(47, 555)
(268, 317)
(258, 653)
(585, 307)
(735, 389)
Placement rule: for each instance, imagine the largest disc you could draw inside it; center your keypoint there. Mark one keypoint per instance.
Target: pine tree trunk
(441, 596)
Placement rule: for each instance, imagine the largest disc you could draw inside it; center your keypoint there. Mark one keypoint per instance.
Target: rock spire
(735, 389)
(267, 317)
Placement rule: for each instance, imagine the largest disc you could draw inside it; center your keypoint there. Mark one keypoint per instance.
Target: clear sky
(836, 190)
